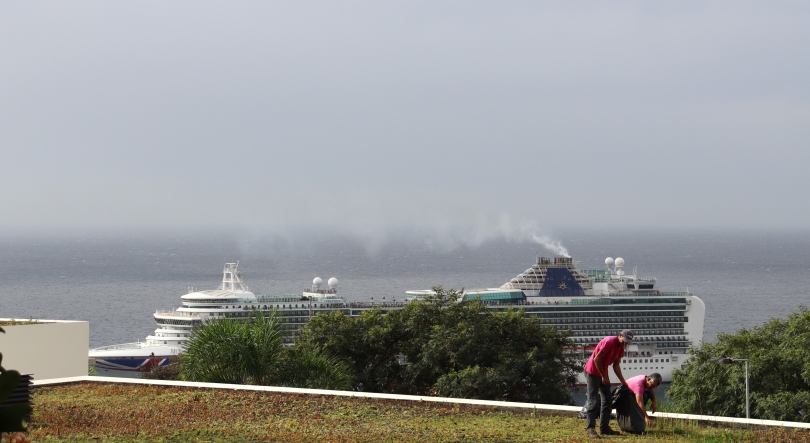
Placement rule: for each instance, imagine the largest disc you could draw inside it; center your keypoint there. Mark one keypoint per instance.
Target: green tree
(779, 373)
(441, 347)
(250, 352)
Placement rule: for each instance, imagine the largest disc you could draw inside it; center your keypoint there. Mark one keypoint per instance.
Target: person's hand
(606, 380)
(648, 420)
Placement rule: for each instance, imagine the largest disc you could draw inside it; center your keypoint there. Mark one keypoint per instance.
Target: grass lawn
(91, 412)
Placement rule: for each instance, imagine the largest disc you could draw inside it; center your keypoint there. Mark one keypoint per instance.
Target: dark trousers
(598, 394)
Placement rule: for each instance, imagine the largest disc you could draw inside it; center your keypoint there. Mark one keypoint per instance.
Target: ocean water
(117, 281)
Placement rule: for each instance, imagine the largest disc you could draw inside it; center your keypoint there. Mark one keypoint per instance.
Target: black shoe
(609, 431)
(591, 432)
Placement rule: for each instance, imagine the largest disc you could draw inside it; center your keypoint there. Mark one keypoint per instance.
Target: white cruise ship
(592, 304)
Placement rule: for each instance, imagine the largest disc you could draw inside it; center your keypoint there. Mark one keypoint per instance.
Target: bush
(11, 417)
(441, 347)
(779, 373)
(169, 371)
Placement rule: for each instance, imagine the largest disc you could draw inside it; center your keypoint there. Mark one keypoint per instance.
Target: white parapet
(47, 348)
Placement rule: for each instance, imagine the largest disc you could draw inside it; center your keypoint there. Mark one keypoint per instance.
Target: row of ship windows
(563, 319)
(638, 332)
(638, 329)
(638, 360)
(631, 355)
(616, 320)
(556, 319)
(599, 315)
(646, 367)
(164, 321)
(580, 331)
(656, 340)
(578, 317)
(620, 326)
(604, 311)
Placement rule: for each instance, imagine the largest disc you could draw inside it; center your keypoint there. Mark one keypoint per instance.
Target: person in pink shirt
(642, 386)
(609, 351)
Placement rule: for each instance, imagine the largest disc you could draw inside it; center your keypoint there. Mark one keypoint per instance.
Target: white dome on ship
(619, 262)
(317, 282)
(332, 283)
(609, 262)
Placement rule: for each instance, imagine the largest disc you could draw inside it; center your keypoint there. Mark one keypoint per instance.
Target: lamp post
(729, 361)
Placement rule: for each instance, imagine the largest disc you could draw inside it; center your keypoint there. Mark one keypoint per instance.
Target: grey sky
(488, 118)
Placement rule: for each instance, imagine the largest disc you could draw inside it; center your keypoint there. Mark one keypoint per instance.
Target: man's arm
(640, 401)
(654, 402)
(617, 368)
(597, 360)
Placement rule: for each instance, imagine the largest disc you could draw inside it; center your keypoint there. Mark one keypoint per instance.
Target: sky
(477, 119)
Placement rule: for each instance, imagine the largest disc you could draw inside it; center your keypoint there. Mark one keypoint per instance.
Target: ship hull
(130, 359)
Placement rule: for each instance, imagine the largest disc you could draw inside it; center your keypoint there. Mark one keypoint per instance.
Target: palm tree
(314, 369)
(233, 351)
(251, 352)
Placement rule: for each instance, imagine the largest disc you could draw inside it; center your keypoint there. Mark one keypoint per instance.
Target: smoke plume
(552, 245)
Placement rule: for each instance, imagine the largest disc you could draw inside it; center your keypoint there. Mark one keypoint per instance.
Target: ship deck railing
(352, 305)
(176, 313)
(132, 345)
(307, 305)
(326, 305)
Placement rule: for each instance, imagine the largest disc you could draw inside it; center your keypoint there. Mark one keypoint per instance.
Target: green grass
(91, 412)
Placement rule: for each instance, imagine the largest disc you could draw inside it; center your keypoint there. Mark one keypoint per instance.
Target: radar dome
(317, 282)
(332, 283)
(609, 262)
(619, 262)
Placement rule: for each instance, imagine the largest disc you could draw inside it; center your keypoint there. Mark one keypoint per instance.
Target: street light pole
(747, 398)
(728, 361)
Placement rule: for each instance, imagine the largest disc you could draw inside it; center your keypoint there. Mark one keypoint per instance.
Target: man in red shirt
(609, 351)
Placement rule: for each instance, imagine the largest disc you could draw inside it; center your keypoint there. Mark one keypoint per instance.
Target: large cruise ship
(591, 304)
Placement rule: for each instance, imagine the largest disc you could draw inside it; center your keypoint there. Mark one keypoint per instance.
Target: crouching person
(631, 402)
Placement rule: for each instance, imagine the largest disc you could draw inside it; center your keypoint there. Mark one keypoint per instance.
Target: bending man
(642, 386)
(609, 351)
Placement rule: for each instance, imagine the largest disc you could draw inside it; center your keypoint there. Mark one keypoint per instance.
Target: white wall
(51, 349)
